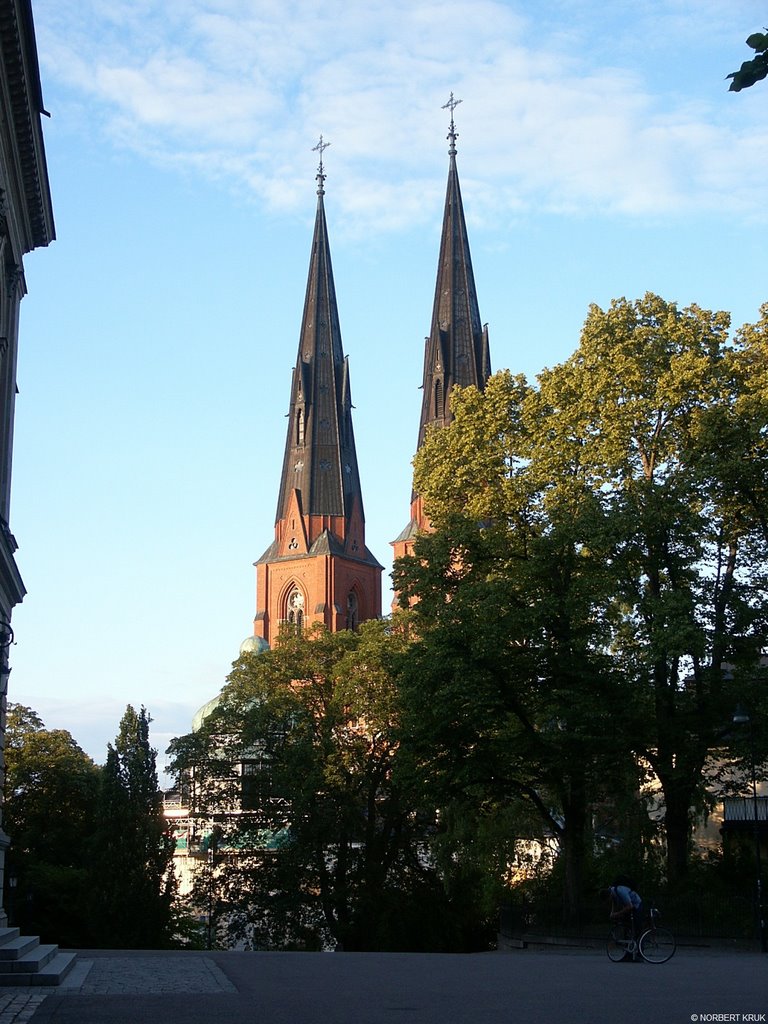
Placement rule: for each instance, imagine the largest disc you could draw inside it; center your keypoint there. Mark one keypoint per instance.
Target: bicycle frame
(622, 942)
(655, 945)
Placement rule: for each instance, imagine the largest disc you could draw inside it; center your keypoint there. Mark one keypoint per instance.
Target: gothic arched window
(295, 608)
(300, 427)
(352, 610)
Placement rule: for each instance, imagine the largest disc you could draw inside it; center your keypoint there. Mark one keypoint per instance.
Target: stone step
(8, 935)
(30, 962)
(24, 961)
(53, 973)
(15, 948)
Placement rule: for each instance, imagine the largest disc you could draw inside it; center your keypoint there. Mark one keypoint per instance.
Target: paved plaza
(526, 987)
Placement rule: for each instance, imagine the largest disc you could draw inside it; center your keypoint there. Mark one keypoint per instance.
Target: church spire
(320, 459)
(457, 351)
(318, 568)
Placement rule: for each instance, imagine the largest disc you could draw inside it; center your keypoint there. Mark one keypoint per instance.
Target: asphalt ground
(525, 987)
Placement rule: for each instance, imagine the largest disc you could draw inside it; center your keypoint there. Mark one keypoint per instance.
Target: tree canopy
(328, 846)
(90, 853)
(596, 583)
(50, 813)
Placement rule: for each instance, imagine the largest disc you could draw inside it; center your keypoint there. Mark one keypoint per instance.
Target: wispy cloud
(239, 90)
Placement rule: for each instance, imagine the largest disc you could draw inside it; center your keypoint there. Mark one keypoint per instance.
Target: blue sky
(600, 155)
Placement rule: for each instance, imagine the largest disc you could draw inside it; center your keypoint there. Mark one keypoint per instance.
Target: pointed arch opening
(353, 611)
(300, 426)
(294, 608)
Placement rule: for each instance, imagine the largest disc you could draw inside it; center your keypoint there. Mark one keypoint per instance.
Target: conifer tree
(135, 887)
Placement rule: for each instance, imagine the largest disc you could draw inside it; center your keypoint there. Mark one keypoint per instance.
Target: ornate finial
(452, 133)
(320, 177)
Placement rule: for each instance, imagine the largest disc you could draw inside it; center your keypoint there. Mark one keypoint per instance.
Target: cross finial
(320, 177)
(452, 133)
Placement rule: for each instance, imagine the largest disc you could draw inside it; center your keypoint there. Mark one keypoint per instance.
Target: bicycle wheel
(616, 946)
(657, 945)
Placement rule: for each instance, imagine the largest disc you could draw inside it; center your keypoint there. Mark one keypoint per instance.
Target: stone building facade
(26, 223)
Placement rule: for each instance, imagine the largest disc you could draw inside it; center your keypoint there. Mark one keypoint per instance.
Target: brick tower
(318, 568)
(457, 351)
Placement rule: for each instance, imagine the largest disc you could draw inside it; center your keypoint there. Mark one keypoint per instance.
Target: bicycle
(656, 945)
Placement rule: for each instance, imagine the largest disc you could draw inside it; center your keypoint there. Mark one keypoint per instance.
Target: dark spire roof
(320, 459)
(457, 349)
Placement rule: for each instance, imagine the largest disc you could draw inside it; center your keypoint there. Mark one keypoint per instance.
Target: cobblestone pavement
(137, 975)
(129, 975)
(17, 1008)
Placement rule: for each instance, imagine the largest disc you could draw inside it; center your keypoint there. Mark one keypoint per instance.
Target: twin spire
(320, 458)
(318, 568)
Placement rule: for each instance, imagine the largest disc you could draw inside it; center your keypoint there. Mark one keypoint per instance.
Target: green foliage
(90, 853)
(595, 588)
(134, 885)
(50, 813)
(675, 440)
(508, 688)
(331, 843)
(753, 70)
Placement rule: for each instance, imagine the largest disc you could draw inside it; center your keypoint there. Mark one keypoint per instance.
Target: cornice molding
(19, 55)
(12, 589)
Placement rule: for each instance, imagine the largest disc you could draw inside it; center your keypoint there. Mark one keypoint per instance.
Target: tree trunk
(677, 825)
(573, 846)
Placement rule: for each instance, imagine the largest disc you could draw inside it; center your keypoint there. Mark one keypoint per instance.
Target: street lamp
(741, 717)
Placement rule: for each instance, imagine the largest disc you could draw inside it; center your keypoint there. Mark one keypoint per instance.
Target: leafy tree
(50, 807)
(753, 70)
(596, 584)
(671, 429)
(134, 875)
(508, 691)
(298, 767)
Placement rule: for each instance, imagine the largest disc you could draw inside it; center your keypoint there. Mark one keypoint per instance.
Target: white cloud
(241, 89)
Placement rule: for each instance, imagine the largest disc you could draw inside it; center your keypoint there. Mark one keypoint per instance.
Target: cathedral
(318, 568)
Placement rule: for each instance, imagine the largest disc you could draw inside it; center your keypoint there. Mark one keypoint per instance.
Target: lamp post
(741, 717)
(12, 880)
(213, 845)
(6, 639)
(211, 855)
